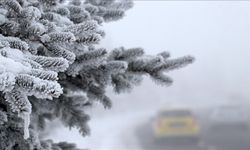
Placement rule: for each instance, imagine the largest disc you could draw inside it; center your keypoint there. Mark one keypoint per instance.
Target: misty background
(216, 33)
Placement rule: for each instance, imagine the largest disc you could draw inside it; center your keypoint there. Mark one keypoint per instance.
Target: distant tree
(51, 69)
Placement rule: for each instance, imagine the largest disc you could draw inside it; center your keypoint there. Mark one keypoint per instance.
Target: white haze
(216, 33)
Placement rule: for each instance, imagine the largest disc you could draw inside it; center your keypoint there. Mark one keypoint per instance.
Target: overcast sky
(216, 33)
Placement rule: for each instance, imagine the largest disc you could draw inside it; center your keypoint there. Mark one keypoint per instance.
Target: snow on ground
(113, 129)
(109, 132)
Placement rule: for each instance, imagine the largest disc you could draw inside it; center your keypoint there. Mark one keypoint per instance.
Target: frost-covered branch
(50, 67)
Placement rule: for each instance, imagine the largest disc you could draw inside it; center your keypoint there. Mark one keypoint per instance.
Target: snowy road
(209, 139)
(148, 143)
(131, 131)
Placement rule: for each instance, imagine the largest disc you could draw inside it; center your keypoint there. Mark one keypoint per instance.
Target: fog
(217, 34)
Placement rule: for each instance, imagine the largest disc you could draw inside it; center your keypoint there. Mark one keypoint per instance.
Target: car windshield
(179, 113)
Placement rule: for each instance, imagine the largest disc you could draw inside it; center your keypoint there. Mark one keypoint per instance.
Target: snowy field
(112, 132)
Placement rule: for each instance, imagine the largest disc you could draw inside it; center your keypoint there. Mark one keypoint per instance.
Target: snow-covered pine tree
(50, 67)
